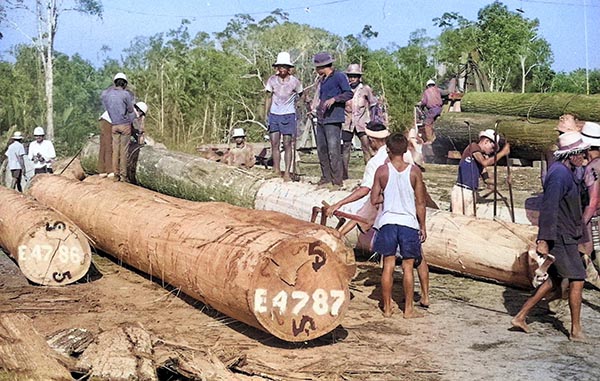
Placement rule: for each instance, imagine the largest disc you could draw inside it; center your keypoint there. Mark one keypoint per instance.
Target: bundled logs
(287, 277)
(49, 249)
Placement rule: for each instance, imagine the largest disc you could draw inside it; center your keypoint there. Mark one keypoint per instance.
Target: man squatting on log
(401, 225)
(475, 158)
(377, 134)
(560, 228)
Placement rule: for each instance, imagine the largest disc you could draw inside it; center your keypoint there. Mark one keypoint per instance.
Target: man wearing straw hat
(16, 164)
(283, 91)
(560, 228)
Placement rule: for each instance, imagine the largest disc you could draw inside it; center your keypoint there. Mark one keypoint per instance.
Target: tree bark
(534, 105)
(25, 355)
(48, 247)
(284, 276)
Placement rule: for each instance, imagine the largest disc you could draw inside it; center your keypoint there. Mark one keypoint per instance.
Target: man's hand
(506, 149)
(328, 103)
(331, 209)
(423, 234)
(542, 247)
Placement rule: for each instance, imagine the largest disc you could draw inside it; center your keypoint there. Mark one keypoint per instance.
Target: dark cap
(323, 59)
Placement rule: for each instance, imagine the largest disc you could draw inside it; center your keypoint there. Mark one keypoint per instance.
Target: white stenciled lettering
(63, 254)
(75, 255)
(280, 301)
(22, 253)
(340, 297)
(46, 252)
(302, 298)
(320, 305)
(260, 300)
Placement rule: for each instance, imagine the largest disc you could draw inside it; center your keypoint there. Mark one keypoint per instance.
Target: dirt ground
(465, 334)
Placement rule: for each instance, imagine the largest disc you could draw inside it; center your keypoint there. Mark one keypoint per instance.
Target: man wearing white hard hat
(41, 152)
(140, 109)
(14, 154)
(475, 158)
(431, 100)
(560, 228)
(242, 155)
(118, 103)
(283, 90)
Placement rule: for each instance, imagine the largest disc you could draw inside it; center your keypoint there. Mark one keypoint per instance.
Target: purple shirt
(118, 102)
(336, 86)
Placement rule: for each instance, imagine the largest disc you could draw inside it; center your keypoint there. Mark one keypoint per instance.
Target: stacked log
(268, 270)
(49, 249)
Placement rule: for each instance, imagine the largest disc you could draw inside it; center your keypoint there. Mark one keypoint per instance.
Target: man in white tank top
(399, 187)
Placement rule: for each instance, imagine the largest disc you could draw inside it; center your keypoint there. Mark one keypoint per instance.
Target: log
(49, 249)
(25, 355)
(265, 269)
(533, 105)
(527, 140)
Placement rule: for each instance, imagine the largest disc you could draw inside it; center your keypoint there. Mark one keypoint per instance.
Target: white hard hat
(490, 134)
(38, 131)
(120, 76)
(18, 135)
(142, 106)
(238, 133)
(430, 82)
(283, 59)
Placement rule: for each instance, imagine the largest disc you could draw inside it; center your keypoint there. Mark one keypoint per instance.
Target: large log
(455, 243)
(528, 139)
(25, 355)
(49, 249)
(268, 270)
(533, 105)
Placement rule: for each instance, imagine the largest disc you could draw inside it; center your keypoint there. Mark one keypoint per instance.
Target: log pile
(49, 249)
(286, 277)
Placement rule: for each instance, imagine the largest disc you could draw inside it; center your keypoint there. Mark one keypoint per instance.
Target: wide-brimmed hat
(571, 142)
(18, 135)
(590, 134)
(323, 59)
(283, 58)
(238, 133)
(354, 69)
(377, 130)
(566, 123)
(142, 106)
(490, 134)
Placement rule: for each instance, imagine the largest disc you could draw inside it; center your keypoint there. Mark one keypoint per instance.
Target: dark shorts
(37, 171)
(396, 238)
(568, 263)
(348, 135)
(432, 114)
(284, 124)
(16, 173)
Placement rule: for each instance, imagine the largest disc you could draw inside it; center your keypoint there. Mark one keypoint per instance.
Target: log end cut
(301, 293)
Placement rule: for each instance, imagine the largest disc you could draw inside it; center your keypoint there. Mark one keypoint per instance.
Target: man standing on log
(16, 164)
(399, 187)
(41, 152)
(118, 102)
(334, 92)
(431, 100)
(560, 228)
(242, 154)
(283, 91)
(357, 116)
(475, 158)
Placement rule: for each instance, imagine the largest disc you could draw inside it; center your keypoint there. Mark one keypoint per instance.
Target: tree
(47, 13)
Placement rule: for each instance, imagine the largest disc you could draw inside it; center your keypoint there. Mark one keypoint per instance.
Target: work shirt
(357, 109)
(285, 93)
(399, 206)
(118, 103)
(45, 149)
(469, 169)
(431, 97)
(375, 162)
(335, 86)
(13, 153)
(560, 212)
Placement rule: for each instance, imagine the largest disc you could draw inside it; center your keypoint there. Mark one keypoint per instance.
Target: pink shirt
(285, 92)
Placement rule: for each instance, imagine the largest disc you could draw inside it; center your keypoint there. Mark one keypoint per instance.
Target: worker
(431, 101)
(242, 155)
(475, 158)
(14, 154)
(41, 152)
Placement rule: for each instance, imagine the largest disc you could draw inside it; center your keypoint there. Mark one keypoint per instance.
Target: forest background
(200, 87)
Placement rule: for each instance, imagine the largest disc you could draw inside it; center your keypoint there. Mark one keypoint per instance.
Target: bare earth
(465, 334)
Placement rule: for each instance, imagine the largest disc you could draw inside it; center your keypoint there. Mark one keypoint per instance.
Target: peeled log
(262, 268)
(49, 249)
(534, 105)
(527, 140)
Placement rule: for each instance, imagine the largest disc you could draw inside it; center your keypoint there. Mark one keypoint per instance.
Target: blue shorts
(568, 263)
(392, 238)
(284, 124)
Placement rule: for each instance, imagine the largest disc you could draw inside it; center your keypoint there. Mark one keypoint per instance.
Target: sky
(563, 23)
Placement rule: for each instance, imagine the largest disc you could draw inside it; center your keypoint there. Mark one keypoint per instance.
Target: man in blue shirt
(334, 92)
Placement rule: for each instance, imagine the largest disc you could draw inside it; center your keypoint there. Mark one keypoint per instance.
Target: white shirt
(398, 200)
(13, 153)
(106, 117)
(46, 149)
(375, 162)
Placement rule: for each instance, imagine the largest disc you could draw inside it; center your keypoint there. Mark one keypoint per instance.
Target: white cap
(283, 58)
(38, 131)
(489, 133)
(238, 133)
(120, 76)
(142, 106)
(18, 135)
(590, 133)
(430, 82)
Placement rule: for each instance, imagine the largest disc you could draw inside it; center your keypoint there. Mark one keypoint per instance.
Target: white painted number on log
(46, 252)
(322, 302)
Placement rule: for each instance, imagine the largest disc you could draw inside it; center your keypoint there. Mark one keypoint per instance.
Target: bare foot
(387, 312)
(286, 177)
(578, 337)
(413, 314)
(520, 324)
